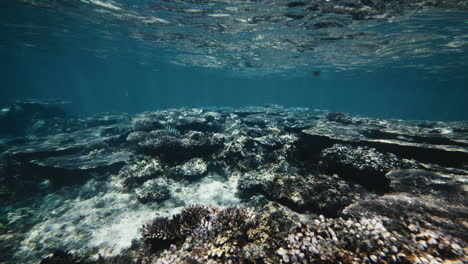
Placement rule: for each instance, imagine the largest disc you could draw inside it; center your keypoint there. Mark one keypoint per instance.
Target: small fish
(172, 130)
(316, 73)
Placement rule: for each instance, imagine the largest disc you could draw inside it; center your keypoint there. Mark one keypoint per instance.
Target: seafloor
(230, 185)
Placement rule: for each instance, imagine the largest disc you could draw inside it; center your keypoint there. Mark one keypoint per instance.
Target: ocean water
(406, 59)
(233, 131)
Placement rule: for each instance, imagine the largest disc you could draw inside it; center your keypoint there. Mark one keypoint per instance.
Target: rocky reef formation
(248, 185)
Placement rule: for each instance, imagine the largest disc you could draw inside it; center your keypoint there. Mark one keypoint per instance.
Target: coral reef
(362, 164)
(191, 170)
(326, 194)
(272, 184)
(172, 147)
(342, 118)
(434, 212)
(422, 182)
(139, 171)
(155, 190)
(216, 234)
(369, 240)
(236, 235)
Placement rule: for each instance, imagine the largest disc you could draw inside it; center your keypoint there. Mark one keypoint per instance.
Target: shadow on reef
(368, 178)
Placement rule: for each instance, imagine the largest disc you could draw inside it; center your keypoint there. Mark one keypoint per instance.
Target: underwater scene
(233, 131)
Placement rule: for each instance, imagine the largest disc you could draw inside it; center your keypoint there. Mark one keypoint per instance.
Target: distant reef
(231, 185)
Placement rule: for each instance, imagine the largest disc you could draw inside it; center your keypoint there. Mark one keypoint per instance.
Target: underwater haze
(233, 131)
(396, 59)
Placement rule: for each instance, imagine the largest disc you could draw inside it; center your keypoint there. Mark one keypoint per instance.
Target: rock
(274, 142)
(29, 115)
(423, 182)
(59, 257)
(172, 147)
(153, 191)
(438, 144)
(413, 228)
(70, 157)
(98, 159)
(431, 210)
(364, 165)
(191, 170)
(317, 193)
(44, 162)
(66, 143)
(184, 119)
(342, 118)
(139, 171)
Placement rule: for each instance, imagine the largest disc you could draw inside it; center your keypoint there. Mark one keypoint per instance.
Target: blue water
(106, 56)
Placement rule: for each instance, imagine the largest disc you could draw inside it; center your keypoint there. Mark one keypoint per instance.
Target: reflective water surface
(251, 38)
